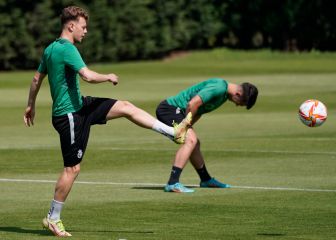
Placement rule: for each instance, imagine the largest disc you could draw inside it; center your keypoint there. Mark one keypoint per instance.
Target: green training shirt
(213, 93)
(62, 61)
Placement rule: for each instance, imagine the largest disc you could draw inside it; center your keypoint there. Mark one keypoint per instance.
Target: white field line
(161, 185)
(226, 150)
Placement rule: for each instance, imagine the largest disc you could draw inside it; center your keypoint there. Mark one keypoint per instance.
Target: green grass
(264, 147)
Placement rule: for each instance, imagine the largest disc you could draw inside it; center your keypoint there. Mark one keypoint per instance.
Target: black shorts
(74, 128)
(169, 114)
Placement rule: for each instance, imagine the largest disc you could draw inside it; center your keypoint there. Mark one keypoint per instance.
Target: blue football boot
(213, 183)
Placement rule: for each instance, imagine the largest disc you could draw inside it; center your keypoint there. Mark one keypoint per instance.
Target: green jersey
(62, 61)
(213, 93)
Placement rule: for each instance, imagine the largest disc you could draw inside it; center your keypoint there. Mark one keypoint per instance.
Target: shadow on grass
(111, 231)
(22, 230)
(47, 233)
(148, 188)
(154, 188)
(271, 234)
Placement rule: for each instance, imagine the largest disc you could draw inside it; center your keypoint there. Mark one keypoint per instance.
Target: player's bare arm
(193, 106)
(29, 113)
(94, 77)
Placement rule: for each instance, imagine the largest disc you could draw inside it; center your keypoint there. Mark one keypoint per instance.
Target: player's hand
(29, 115)
(113, 78)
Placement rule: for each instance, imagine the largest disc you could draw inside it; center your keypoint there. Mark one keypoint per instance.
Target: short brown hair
(72, 13)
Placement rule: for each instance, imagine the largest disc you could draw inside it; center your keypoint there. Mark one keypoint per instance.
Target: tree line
(146, 29)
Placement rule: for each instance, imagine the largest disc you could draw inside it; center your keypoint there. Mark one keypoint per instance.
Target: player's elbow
(38, 78)
(86, 78)
(35, 80)
(86, 75)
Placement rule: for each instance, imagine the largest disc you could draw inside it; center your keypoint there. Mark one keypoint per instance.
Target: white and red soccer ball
(313, 113)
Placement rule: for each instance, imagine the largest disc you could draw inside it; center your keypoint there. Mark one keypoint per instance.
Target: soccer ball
(313, 113)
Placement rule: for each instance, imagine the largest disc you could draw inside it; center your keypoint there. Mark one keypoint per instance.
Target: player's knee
(128, 108)
(74, 170)
(126, 104)
(191, 138)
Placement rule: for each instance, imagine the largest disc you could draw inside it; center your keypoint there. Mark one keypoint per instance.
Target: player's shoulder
(49, 47)
(59, 45)
(66, 44)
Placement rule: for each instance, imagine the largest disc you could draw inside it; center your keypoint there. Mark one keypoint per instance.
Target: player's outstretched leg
(56, 227)
(145, 120)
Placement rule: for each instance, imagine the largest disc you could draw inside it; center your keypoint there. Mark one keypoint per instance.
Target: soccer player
(199, 99)
(72, 114)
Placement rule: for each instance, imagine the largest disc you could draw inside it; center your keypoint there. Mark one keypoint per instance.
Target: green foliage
(16, 44)
(147, 29)
(286, 25)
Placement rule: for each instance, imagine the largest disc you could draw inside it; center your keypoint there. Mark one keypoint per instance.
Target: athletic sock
(55, 210)
(163, 129)
(203, 174)
(175, 175)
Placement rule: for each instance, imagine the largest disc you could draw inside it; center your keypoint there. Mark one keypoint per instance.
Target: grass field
(283, 173)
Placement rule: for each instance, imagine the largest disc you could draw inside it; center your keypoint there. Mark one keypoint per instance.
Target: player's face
(79, 29)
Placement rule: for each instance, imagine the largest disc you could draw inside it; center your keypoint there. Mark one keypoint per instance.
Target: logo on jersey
(178, 110)
(79, 153)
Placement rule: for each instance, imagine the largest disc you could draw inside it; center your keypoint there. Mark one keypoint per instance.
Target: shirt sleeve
(43, 66)
(73, 59)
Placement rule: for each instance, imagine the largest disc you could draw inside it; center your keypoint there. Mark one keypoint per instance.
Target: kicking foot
(180, 130)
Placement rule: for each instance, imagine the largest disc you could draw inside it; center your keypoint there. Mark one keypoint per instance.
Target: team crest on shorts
(79, 153)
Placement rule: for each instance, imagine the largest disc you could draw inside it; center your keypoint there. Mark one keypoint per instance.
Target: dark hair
(72, 13)
(250, 94)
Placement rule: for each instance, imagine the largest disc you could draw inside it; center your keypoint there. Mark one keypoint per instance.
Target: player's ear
(241, 98)
(71, 26)
(239, 92)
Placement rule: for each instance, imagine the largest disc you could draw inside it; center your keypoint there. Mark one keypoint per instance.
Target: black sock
(203, 174)
(175, 175)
